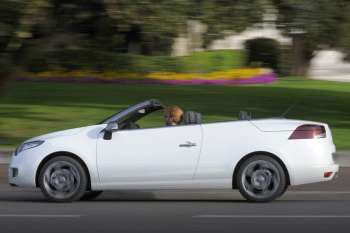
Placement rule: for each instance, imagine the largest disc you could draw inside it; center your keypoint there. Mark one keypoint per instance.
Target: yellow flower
(232, 74)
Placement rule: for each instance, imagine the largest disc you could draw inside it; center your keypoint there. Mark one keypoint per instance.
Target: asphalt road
(317, 208)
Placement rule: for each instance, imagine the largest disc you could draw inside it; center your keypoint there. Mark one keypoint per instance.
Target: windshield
(108, 119)
(123, 113)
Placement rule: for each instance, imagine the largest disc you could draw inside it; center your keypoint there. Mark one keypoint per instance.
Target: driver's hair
(173, 114)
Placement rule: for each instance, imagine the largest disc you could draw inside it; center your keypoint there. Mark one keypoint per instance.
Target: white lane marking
(38, 216)
(271, 216)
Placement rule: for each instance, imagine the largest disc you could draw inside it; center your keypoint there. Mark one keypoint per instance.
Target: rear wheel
(90, 195)
(63, 179)
(261, 179)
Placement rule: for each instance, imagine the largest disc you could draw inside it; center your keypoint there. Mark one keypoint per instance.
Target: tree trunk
(300, 59)
(6, 68)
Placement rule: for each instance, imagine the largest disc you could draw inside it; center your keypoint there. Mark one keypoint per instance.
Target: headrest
(244, 116)
(191, 117)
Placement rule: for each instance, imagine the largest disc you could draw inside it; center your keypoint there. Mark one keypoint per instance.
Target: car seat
(191, 118)
(245, 116)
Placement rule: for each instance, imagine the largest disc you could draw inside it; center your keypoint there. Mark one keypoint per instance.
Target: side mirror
(108, 131)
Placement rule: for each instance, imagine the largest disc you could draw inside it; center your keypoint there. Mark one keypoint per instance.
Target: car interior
(150, 114)
(134, 119)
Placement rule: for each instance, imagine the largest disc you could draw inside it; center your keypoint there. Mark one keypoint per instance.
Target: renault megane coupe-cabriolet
(259, 157)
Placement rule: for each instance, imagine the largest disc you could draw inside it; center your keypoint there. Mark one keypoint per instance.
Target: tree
(226, 16)
(314, 25)
(18, 21)
(344, 31)
(147, 26)
(9, 15)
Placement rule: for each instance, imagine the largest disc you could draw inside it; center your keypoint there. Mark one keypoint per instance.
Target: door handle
(188, 144)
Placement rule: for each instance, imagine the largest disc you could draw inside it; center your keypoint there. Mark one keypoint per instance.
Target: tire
(261, 179)
(284, 190)
(63, 179)
(90, 195)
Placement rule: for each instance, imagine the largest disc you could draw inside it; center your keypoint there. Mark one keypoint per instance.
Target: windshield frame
(133, 108)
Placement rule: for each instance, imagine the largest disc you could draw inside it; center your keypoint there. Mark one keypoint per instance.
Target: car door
(166, 155)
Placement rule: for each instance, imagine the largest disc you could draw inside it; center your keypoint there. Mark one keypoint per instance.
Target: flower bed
(228, 77)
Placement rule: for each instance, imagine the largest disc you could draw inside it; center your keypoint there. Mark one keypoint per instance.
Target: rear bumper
(318, 173)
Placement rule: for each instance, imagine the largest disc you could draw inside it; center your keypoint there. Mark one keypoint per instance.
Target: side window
(152, 120)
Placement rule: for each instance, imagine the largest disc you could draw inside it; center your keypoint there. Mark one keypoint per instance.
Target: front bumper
(22, 171)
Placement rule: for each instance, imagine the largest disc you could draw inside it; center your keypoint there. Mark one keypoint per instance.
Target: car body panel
(152, 158)
(81, 143)
(156, 155)
(279, 124)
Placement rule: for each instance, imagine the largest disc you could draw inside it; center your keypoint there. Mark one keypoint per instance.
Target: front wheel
(261, 179)
(63, 179)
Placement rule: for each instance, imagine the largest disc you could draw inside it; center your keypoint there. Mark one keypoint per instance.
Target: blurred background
(70, 63)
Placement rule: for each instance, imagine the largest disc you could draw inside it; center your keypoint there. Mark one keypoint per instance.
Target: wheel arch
(244, 158)
(63, 153)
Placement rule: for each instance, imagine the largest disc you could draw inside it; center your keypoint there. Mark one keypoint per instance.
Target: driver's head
(173, 115)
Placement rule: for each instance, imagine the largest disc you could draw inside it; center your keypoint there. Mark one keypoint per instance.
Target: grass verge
(29, 109)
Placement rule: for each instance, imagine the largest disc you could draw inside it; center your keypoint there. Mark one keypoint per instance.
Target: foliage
(148, 26)
(226, 16)
(67, 60)
(323, 23)
(37, 32)
(9, 20)
(40, 33)
(263, 52)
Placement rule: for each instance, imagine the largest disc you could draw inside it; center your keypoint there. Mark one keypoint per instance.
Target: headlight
(27, 146)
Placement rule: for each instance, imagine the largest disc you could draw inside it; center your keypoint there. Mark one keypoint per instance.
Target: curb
(342, 158)
(5, 156)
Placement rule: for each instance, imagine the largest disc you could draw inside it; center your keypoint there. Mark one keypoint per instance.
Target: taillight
(308, 132)
(327, 174)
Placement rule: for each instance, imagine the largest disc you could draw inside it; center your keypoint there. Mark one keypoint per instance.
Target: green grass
(32, 108)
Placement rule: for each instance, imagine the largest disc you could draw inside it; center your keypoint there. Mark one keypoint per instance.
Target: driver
(173, 115)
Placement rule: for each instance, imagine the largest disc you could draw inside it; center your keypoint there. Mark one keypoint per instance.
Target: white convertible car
(260, 158)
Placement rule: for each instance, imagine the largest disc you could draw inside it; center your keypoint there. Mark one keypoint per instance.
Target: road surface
(317, 208)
